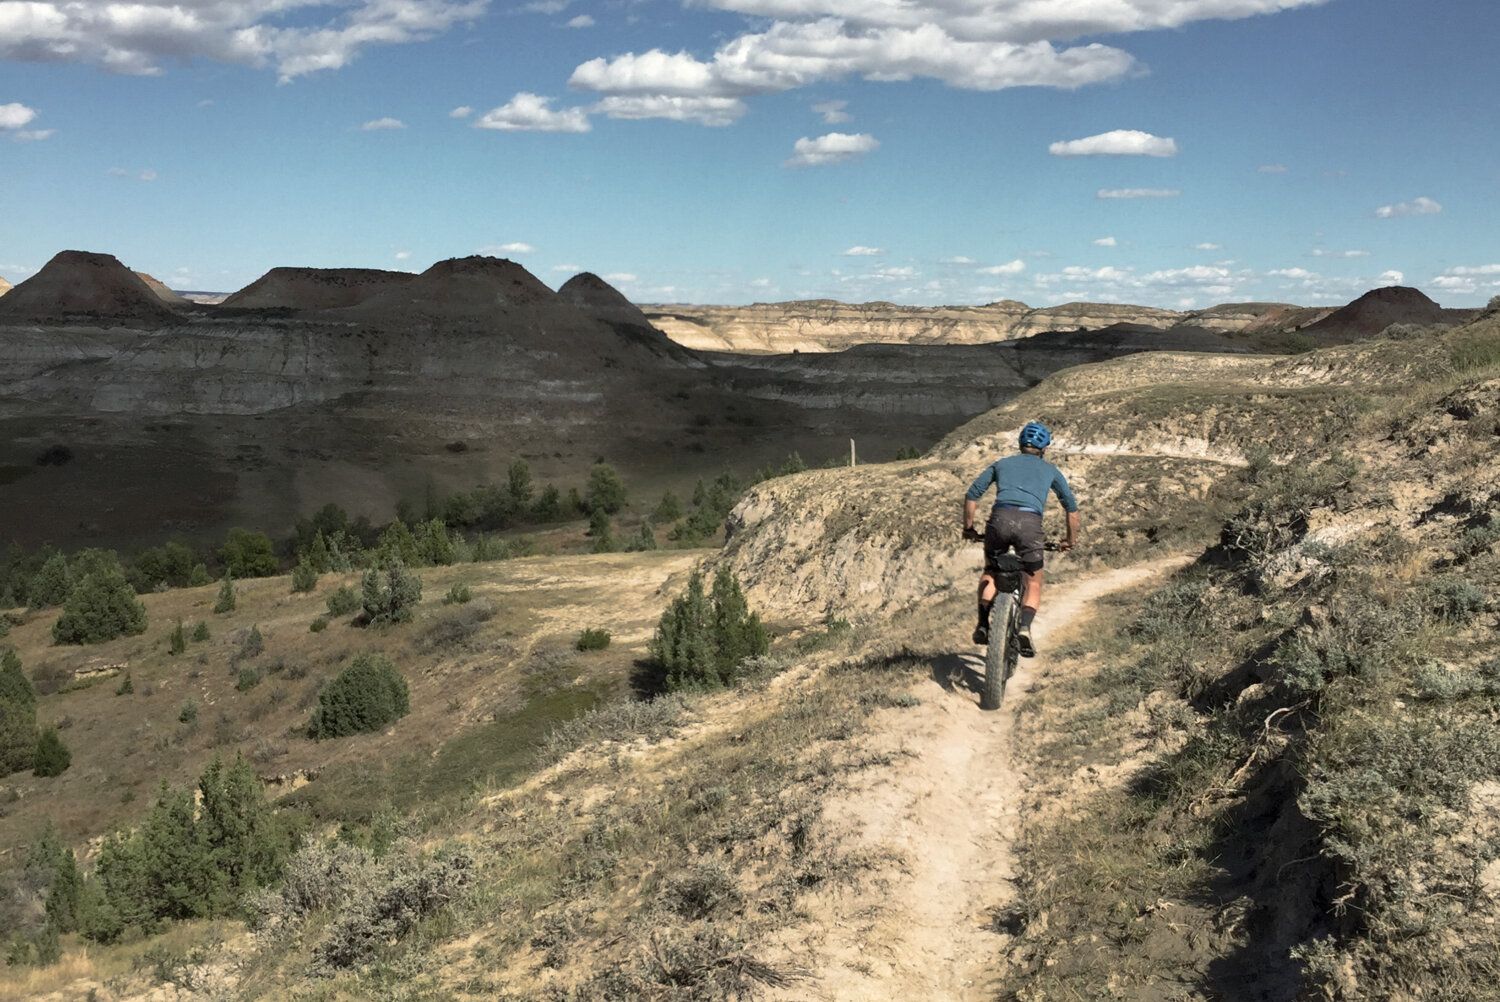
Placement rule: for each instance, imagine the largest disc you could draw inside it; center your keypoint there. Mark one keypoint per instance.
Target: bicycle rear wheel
(1000, 656)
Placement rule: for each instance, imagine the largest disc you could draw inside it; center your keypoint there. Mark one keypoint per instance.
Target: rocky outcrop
(823, 325)
(4, 286)
(87, 287)
(315, 288)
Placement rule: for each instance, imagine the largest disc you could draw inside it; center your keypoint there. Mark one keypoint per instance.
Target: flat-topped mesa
(1380, 308)
(315, 288)
(595, 296)
(80, 285)
(827, 325)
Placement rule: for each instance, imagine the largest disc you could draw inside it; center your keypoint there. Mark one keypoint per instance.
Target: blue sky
(1170, 152)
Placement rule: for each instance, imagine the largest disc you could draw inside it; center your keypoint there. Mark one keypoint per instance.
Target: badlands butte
(363, 387)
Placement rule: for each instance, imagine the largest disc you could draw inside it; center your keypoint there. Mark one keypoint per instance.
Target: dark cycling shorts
(1012, 528)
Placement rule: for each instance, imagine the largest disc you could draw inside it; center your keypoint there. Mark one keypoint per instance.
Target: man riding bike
(1021, 485)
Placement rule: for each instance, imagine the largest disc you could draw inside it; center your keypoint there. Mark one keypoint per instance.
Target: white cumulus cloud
(296, 37)
(833, 112)
(676, 107)
(1119, 143)
(1392, 277)
(1009, 268)
(581, 21)
(1422, 206)
(15, 115)
(1321, 252)
(403, 255)
(462, 111)
(1469, 279)
(972, 44)
(959, 260)
(1271, 169)
(533, 113)
(515, 247)
(1139, 193)
(832, 148)
(383, 125)
(621, 277)
(1301, 274)
(1106, 242)
(859, 250)
(1208, 247)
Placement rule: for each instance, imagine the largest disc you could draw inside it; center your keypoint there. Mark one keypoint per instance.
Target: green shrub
(343, 602)
(318, 625)
(592, 639)
(458, 594)
(200, 632)
(102, 606)
(304, 577)
(247, 679)
(199, 576)
(248, 554)
(195, 855)
(605, 491)
(702, 640)
(437, 547)
(365, 696)
(644, 541)
(226, 600)
(667, 510)
(126, 686)
(189, 712)
(52, 756)
(390, 597)
(49, 587)
(253, 645)
(177, 641)
(397, 544)
(17, 716)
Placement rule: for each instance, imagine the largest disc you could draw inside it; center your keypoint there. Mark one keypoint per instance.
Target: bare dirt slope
(941, 816)
(84, 285)
(315, 288)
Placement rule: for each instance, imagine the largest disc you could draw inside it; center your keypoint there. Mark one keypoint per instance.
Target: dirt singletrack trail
(940, 819)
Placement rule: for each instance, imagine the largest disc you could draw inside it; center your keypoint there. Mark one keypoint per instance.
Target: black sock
(984, 613)
(1027, 615)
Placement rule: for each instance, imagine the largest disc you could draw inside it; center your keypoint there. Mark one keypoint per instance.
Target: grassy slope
(1278, 780)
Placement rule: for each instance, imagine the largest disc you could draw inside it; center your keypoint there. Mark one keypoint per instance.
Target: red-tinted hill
(1378, 309)
(79, 285)
(316, 288)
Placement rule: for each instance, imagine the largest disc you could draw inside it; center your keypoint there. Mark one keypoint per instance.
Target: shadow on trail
(959, 671)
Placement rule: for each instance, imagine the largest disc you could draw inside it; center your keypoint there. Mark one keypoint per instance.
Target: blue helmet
(1035, 436)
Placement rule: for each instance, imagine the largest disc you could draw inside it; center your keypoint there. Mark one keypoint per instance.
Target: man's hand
(1064, 546)
(971, 534)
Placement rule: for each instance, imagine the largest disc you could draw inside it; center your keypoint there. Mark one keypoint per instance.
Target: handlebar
(1050, 545)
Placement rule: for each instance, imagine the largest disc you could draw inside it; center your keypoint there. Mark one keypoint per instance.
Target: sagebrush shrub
(343, 601)
(592, 639)
(390, 597)
(386, 900)
(458, 594)
(226, 600)
(304, 577)
(365, 696)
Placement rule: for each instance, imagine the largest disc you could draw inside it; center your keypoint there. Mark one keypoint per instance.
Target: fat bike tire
(1000, 656)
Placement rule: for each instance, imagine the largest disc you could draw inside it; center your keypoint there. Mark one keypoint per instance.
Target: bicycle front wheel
(1000, 657)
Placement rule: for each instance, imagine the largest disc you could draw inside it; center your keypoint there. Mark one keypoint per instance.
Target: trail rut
(943, 815)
